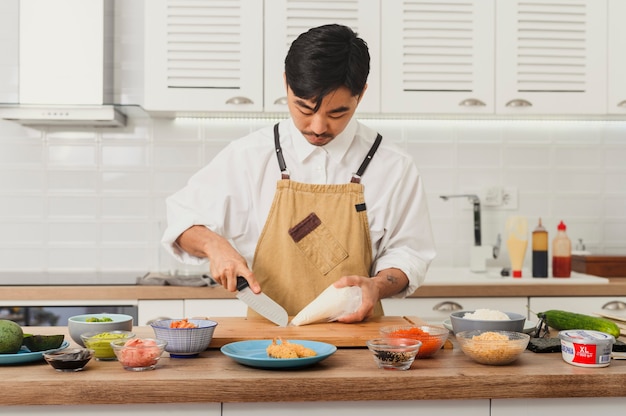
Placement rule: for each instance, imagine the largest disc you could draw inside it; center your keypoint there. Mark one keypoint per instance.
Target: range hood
(65, 64)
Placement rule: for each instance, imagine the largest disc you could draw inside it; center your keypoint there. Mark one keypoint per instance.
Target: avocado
(11, 336)
(37, 343)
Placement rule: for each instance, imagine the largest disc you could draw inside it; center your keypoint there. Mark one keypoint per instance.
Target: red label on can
(584, 353)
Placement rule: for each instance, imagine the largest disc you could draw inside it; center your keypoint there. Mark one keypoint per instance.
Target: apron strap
(356, 177)
(279, 154)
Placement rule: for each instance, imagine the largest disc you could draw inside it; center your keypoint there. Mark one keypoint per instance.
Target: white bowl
(78, 325)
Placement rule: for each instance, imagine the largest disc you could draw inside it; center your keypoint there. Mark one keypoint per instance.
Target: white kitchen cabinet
(161, 409)
(9, 67)
(438, 57)
(617, 57)
(203, 56)
(483, 57)
(551, 57)
(437, 310)
(155, 309)
(572, 406)
(364, 408)
(286, 19)
(214, 308)
(588, 305)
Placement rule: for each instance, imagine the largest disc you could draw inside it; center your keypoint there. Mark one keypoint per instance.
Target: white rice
(487, 315)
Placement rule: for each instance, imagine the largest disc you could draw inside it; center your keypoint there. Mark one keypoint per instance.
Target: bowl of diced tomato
(185, 338)
(432, 337)
(138, 354)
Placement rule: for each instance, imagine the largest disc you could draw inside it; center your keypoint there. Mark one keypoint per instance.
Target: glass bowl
(394, 353)
(139, 354)
(432, 337)
(493, 347)
(69, 359)
(100, 342)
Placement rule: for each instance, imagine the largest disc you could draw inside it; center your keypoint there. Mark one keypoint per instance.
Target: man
(348, 208)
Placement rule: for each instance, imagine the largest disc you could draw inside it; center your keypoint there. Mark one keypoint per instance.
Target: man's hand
(386, 283)
(369, 297)
(225, 262)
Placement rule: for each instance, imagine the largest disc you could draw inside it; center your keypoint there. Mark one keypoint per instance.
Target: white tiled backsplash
(91, 200)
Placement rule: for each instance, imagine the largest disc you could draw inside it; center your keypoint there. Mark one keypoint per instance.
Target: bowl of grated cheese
(493, 347)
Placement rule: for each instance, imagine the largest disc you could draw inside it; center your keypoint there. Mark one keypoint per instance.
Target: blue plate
(253, 353)
(25, 356)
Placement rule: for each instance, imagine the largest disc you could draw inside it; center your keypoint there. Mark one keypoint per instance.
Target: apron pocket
(317, 243)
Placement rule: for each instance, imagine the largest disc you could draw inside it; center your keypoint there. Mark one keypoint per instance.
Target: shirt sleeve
(407, 241)
(213, 198)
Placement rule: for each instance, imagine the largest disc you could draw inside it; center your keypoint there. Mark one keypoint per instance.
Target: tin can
(586, 348)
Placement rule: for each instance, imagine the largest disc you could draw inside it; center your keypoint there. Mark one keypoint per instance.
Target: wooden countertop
(615, 287)
(349, 374)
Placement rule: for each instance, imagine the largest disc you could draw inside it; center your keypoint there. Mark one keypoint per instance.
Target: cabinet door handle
(472, 102)
(447, 306)
(614, 305)
(239, 100)
(518, 102)
(281, 101)
(622, 104)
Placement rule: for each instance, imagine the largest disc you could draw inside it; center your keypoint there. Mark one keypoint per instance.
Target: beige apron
(314, 234)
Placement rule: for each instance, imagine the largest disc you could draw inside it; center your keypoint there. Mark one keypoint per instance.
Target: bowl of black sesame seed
(394, 353)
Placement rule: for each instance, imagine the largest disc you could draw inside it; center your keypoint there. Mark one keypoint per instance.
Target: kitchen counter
(348, 375)
(439, 283)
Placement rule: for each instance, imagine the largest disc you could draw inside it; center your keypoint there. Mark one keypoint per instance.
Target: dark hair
(325, 58)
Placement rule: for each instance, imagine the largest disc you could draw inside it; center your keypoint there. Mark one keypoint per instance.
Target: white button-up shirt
(233, 194)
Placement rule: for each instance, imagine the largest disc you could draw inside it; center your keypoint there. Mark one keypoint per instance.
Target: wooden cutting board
(341, 335)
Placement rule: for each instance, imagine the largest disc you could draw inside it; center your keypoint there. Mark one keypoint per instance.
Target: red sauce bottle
(561, 253)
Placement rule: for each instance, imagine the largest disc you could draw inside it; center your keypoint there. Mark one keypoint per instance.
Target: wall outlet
(492, 196)
(499, 197)
(509, 198)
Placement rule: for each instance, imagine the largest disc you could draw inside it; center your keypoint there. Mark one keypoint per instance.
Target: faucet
(476, 201)
(479, 253)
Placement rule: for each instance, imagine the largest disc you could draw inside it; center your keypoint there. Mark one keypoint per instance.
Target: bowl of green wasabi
(100, 343)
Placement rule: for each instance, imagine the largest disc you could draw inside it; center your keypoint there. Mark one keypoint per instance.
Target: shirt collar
(336, 149)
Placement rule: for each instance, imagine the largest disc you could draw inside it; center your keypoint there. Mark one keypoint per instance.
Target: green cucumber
(569, 320)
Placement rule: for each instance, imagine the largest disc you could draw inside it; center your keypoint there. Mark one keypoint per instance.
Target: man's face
(334, 114)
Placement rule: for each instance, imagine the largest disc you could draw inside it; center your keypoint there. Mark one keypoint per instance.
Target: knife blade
(261, 303)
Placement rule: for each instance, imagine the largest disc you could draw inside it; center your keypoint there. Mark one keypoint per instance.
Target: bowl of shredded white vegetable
(487, 320)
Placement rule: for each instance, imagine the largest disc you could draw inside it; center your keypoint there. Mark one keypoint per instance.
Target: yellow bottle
(516, 243)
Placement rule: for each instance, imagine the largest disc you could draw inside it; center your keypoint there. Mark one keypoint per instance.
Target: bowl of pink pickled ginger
(138, 354)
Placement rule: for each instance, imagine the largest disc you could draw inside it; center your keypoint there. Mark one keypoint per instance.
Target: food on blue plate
(36, 343)
(11, 336)
(288, 349)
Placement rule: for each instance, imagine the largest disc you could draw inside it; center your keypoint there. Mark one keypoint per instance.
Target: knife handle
(242, 283)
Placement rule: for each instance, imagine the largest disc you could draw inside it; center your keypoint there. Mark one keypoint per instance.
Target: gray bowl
(460, 324)
(78, 324)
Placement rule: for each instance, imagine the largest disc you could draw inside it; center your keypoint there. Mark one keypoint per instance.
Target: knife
(261, 303)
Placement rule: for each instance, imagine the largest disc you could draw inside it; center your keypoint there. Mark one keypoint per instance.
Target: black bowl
(71, 359)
